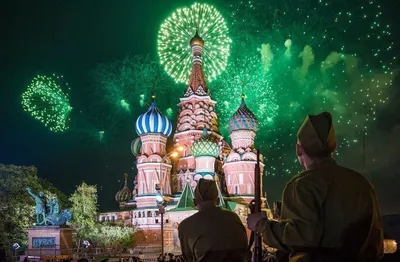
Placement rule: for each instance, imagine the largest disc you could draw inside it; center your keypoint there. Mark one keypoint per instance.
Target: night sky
(71, 38)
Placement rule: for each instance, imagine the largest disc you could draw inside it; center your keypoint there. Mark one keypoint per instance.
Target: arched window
(236, 190)
(149, 214)
(140, 214)
(113, 219)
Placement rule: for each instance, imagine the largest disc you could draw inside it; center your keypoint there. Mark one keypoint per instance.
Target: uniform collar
(323, 162)
(206, 205)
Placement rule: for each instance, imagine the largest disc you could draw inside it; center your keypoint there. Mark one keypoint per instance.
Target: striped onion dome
(125, 194)
(153, 122)
(243, 119)
(205, 146)
(136, 146)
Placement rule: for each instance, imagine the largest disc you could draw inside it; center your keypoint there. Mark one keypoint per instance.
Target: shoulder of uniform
(299, 176)
(186, 221)
(228, 212)
(306, 177)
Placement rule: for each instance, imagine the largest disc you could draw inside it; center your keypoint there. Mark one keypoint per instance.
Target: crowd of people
(170, 258)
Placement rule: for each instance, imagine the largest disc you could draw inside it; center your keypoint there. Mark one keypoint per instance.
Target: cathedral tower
(240, 164)
(196, 112)
(153, 164)
(204, 151)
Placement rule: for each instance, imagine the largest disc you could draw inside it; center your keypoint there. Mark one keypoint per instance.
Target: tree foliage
(51, 191)
(84, 210)
(114, 236)
(16, 206)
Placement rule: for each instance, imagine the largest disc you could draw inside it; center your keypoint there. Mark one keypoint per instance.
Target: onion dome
(205, 146)
(153, 122)
(125, 193)
(196, 40)
(136, 146)
(243, 119)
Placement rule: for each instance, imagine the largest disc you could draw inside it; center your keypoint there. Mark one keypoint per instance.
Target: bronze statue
(40, 209)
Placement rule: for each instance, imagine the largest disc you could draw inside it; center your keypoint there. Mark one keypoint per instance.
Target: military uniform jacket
(213, 234)
(329, 213)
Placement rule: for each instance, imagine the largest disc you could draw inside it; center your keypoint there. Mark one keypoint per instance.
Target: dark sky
(70, 38)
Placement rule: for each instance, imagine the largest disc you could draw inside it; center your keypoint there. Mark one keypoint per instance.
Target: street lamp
(161, 210)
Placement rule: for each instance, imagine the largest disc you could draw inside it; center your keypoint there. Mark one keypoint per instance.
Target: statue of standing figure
(40, 209)
(54, 206)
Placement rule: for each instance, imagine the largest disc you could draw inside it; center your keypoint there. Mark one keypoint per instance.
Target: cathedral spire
(197, 84)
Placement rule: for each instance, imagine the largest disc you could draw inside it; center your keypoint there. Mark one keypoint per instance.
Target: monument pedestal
(49, 241)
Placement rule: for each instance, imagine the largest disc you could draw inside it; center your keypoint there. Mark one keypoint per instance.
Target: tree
(16, 206)
(51, 191)
(114, 236)
(84, 210)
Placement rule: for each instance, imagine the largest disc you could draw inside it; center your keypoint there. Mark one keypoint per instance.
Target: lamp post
(161, 210)
(161, 203)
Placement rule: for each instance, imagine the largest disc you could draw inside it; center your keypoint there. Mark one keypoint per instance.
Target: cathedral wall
(153, 144)
(239, 177)
(242, 139)
(205, 164)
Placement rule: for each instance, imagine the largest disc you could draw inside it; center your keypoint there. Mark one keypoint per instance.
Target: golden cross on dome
(243, 90)
(126, 178)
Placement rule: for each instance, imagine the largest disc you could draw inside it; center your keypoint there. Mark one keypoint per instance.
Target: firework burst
(177, 30)
(45, 100)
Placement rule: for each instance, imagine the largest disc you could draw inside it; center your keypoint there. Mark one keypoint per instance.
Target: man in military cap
(329, 212)
(213, 233)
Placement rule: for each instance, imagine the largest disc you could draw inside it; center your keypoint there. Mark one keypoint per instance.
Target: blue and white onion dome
(152, 121)
(243, 119)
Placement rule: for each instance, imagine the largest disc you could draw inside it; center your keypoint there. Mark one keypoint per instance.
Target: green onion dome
(205, 146)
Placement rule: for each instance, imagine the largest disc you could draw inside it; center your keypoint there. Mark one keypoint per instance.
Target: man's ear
(299, 149)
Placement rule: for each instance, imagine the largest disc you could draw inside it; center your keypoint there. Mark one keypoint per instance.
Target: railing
(49, 253)
(147, 249)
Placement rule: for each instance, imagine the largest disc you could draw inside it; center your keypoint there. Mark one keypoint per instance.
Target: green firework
(319, 56)
(246, 75)
(45, 100)
(177, 30)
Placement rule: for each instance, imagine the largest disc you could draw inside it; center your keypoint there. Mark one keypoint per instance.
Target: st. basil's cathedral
(169, 178)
